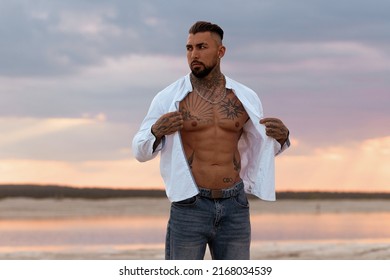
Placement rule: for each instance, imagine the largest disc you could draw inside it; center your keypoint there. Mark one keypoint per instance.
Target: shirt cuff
(160, 146)
(285, 145)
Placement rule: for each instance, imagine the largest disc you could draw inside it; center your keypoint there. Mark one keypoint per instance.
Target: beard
(201, 72)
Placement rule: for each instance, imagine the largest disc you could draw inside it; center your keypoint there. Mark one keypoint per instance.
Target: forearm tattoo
(160, 128)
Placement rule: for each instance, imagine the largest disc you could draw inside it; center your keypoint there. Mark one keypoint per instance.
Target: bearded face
(200, 70)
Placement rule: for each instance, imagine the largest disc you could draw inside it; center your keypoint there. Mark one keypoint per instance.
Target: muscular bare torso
(210, 137)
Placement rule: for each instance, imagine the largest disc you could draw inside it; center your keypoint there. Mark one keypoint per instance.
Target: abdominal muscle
(213, 158)
(210, 137)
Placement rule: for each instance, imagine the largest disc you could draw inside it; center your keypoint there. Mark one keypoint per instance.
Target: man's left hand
(275, 128)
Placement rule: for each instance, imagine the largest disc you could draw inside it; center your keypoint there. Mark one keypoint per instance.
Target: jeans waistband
(222, 193)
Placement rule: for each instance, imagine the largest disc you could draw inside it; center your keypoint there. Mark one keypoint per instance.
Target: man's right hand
(167, 124)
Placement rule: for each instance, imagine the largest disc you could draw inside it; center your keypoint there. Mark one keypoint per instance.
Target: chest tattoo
(231, 108)
(193, 108)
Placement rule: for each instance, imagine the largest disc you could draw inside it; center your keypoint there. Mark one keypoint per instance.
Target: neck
(213, 80)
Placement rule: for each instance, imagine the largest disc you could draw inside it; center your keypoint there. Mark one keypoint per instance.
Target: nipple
(237, 124)
(194, 123)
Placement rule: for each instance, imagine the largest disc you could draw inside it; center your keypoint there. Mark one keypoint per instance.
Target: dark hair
(204, 26)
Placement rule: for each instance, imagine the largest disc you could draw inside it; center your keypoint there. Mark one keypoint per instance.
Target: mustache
(196, 62)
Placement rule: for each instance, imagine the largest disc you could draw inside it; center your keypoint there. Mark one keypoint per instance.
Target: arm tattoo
(161, 127)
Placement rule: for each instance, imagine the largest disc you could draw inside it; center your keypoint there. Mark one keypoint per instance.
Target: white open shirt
(257, 150)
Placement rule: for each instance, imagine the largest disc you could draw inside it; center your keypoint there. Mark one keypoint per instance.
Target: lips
(196, 64)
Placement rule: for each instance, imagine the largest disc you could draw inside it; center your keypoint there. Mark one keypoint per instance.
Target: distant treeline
(61, 192)
(332, 195)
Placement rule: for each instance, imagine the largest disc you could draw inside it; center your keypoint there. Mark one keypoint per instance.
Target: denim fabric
(222, 224)
(222, 193)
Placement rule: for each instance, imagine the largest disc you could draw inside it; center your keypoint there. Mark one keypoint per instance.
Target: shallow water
(136, 230)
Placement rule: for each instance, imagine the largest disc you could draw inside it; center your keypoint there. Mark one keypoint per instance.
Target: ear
(221, 51)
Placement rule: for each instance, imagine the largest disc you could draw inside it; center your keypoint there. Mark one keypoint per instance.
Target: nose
(194, 54)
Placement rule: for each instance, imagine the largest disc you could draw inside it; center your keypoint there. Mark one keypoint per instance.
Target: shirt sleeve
(144, 139)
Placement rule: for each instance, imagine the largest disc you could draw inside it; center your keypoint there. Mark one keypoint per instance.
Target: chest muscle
(198, 114)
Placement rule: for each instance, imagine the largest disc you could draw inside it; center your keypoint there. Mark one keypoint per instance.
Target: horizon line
(162, 188)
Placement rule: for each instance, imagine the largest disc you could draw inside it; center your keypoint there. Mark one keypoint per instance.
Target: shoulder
(235, 84)
(242, 91)
(177, 87)
(166, 98)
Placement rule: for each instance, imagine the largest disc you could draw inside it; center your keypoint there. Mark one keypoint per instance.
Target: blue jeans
(223, 224)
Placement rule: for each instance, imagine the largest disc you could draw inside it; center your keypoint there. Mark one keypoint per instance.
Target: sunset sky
(77, 78)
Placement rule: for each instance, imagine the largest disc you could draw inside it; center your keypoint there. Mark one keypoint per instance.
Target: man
(215, 147)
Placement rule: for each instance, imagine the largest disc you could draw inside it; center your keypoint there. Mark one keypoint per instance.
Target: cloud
(122, 88)
(77, 77)
(360, 167)
(288, 57)
(307, 68)
(95, 25)
(124, 173)
(64, 139)
(326, 92)
(16, 130)
(363, 166)
(62, 36)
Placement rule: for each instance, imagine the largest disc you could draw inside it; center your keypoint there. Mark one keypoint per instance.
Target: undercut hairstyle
(204, 26)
